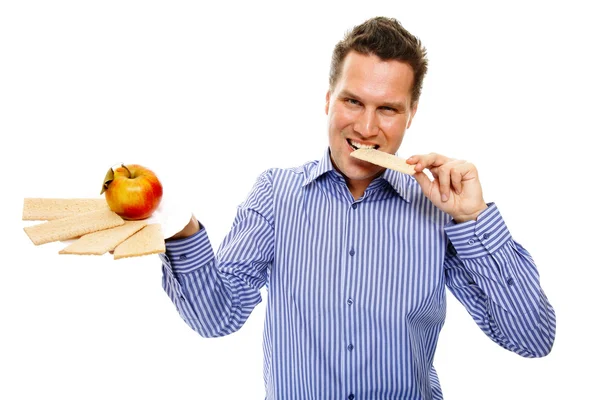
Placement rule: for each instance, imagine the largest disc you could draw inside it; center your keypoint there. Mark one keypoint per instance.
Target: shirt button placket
(353, 230)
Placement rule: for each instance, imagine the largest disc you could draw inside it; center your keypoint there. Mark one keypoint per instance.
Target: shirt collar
(398, 181)
(323, 166)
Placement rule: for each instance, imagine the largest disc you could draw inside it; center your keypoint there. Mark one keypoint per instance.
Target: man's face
(369, 106)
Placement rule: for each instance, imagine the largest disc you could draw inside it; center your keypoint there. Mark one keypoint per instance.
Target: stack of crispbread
(73, 226)
(105, 240)
(147, 241)
(45, 209)
(97, 229)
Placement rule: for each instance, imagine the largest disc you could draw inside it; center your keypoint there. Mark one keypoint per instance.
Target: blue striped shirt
(356, 288)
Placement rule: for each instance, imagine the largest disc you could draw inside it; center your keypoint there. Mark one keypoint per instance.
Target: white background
(209, 96)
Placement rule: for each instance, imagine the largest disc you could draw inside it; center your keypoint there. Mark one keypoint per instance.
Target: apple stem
(127, 169)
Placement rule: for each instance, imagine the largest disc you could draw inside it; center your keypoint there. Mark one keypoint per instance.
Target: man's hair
(387, 39)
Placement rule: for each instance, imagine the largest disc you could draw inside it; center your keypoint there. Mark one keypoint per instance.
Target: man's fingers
(430, 160)
(449, 176)
(456, 179)
(443, 177)
(423, 181)
(448, 173)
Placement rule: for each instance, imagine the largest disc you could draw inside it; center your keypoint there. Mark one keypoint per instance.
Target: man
(356, 258)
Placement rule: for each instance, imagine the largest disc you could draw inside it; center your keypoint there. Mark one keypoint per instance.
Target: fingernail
(444, 197)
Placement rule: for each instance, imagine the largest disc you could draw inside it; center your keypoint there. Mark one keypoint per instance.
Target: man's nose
(367, 124)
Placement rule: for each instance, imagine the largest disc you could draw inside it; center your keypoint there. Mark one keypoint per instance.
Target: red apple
(132, 191)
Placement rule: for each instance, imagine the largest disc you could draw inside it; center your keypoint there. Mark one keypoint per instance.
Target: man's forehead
(372, 75)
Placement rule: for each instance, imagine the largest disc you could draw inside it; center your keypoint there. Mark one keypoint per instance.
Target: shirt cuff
(190, 253)
(479, 238)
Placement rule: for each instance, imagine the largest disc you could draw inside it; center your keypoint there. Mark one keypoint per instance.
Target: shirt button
(350, 347)
(352, 252)
(349, 302)
(354, 206)
(471, 242)
(486, 236)
(183, 257)
(350, 396)
(510, 282)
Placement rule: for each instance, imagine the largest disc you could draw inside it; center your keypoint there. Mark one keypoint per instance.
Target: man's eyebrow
(400, 106)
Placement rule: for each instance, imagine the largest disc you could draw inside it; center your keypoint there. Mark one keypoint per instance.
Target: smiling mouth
(356, 145)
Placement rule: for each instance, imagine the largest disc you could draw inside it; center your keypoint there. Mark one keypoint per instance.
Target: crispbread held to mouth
(385, 160)
(73, 227)
(47, 209)
(100, 242)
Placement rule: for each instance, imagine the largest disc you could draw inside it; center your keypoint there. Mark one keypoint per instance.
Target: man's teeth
(361, 146)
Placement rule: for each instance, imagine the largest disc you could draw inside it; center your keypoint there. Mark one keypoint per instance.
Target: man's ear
(327, 98)
(413, 111)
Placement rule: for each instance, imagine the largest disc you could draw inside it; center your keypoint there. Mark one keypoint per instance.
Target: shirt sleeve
(497, 281)
(215, 293)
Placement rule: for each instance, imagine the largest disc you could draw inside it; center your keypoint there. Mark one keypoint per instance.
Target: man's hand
(192, 227)
(455, 189)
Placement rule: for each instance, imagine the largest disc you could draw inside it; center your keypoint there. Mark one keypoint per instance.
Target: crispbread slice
(385, 160)
(72, 227)
(98, 243)
(46, 209)
(149, 240)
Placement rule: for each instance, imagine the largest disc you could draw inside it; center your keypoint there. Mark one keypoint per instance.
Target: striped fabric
(356, 289)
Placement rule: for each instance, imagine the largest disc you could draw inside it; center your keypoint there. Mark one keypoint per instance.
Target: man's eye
(389, 109)
(353, 102)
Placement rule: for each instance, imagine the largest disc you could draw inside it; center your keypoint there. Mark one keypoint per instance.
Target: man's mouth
(356, 145)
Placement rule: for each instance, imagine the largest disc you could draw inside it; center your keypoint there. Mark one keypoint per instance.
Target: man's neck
(357, 188)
